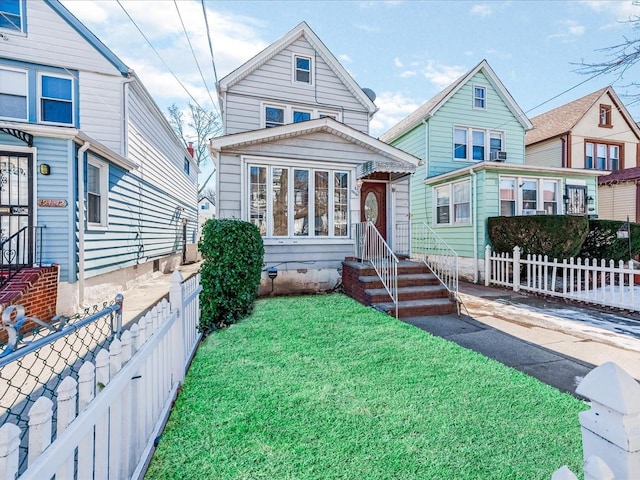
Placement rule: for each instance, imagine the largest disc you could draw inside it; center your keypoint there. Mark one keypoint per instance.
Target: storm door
(16, 208)
(576, 200)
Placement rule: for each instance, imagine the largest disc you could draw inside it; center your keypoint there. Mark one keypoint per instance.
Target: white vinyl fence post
(176, 298)
(516, 269)
(487, 265)
(610, 428)
(9, 456)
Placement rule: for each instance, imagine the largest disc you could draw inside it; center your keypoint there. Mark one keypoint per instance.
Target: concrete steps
(420, 293)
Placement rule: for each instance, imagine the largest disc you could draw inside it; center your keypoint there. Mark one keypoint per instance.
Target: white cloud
(368, 28)
(408, 74)
(442, 75)
(483, 10)
(569, 30)
(393, 107)
(345, 58)
(397, 62)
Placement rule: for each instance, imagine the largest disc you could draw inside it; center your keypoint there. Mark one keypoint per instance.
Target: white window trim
(270, 163)
(487, 142)
(452, 222)
(289, 109)
(540, 189)
(39, 98)
(473, 95)
(22, 32)
(26, 81)
(294, 69)
(103, 168)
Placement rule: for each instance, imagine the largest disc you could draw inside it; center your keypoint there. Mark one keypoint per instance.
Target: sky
(406, 51)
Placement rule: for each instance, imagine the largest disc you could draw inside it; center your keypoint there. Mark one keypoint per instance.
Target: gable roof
(88, 35)
(624, 175)
(431, 106)
(301, 30)
(563, 119)
(401, 162)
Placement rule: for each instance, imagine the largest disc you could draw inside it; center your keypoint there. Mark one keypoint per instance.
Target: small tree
(233, 255)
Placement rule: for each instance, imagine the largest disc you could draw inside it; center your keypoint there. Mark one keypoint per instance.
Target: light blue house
(92, 177)
(471, 140)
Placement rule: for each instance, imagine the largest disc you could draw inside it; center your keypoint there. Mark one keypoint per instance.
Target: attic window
(11, 15)
(605, 116)
(302, 69)
(479, 97)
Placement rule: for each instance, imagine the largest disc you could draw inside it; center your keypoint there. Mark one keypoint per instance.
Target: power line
(206, 22)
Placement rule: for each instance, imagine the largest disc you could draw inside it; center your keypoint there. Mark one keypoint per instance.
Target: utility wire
(184, 29)
(206, 22)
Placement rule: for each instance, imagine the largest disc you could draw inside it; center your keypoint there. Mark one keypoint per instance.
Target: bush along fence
(599, 282)
(611, 428)
(123, 398)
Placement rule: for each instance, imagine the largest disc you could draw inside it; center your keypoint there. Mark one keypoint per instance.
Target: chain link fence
(34, 364)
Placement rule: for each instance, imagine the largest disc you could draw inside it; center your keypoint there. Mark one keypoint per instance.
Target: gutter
(474, 198)
(81, 221)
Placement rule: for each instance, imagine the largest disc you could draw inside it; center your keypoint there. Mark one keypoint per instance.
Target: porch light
(590, 200)
(566, 199)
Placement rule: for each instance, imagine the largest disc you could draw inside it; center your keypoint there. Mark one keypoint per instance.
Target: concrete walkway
(553, 341)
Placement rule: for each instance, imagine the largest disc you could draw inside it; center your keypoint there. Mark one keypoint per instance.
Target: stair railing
(427, 246)
(20, 251)
(371, 247)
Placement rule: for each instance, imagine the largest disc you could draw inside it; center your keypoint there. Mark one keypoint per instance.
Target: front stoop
(420, 293)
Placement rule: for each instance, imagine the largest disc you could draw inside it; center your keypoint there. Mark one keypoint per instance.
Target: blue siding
(145, 222)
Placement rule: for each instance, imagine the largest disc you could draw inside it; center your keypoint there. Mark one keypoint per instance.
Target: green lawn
(320, 387)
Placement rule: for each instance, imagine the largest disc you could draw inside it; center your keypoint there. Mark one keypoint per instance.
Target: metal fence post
(120, 301)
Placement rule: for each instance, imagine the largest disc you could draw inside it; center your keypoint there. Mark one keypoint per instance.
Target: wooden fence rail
(593, 281)
(123, 400)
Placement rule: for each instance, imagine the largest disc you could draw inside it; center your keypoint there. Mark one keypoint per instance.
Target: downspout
(125, 116)
(474, 198)
(81, 220)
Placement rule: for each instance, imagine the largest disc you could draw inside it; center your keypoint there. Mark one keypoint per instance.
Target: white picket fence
(596, 281)
(610, 438)
(123, 400)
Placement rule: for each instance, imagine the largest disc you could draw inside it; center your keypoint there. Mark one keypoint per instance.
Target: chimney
(190, 149)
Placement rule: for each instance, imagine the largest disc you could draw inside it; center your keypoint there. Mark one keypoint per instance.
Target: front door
(373, 205)
(15, 207)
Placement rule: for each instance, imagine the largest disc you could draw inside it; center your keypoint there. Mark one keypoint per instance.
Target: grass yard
(321, 387)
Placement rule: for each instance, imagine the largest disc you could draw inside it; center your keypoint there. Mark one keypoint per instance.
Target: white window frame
(476, 98)
(40, 98)
(294, 69)
(540, 184)
(488, 134)
(21, 14)
(311, 168)
(288, 110)
(451, 206)
(103, 169)
(295, 110)
(26, 91)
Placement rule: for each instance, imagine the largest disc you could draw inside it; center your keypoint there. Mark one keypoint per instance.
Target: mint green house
(470, 138)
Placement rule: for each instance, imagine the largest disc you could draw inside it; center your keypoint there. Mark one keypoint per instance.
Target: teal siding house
(470, 138)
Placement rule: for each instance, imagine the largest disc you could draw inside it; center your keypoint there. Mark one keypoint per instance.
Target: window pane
(588, 161)
(303, 69)
(280, 202)
(460, 143)
(442, 205)
(10, 14)
(93, 208)
(55, 87)
(478, 145)
(13, 106)
(601, 161)
(258, 198)
(614, 152)
(301, 116)
(13, 94)
(321, 204)
(301, 202)
(340, 206)
(529, 195)
(507, 197)
(495, 142)
(550, 198)
(58, 112)
(93, 194)
(274, 116)
(479, 97)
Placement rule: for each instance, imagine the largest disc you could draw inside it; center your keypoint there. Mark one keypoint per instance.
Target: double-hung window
(276, 115)
(302, 69)
(475, 144)
(602, 156)
(13, 94)
(11, 15)
(479, 97)
(605, 116)
(297, 202)
(97, 193)
(528, 196)
(273, 116)
(56, 99)
(453, 204)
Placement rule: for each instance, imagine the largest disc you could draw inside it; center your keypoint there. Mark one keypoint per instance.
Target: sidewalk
(554, 341)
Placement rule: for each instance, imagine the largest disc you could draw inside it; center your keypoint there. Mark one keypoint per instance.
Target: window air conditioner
(528, 211)
(498, 156)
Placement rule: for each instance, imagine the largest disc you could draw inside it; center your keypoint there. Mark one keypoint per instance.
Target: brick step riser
(404, 312)
(405, 297)
(402, 282)
(370, 272)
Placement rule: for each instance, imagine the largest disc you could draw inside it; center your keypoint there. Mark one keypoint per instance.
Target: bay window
(298, 202)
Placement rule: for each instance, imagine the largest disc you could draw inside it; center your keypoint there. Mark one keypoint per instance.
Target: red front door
(373, 205)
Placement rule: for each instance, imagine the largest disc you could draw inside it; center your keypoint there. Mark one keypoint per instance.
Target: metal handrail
(427, 246)
(371, 247)
(18, 252)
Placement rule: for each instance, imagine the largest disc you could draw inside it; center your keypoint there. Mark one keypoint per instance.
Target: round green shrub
(233, 254)
(558, 236)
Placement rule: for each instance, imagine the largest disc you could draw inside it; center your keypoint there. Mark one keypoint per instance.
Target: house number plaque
(52, 203)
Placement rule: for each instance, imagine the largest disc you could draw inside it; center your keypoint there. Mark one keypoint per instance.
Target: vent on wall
(498, 156)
